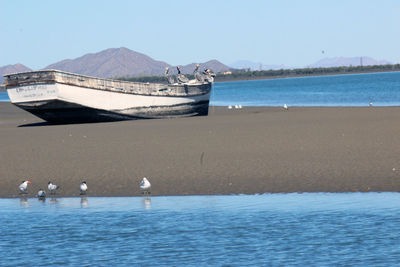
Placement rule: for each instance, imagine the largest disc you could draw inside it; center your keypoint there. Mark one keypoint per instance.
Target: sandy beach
(246, 151)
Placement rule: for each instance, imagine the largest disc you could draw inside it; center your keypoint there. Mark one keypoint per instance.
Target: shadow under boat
(59, 112)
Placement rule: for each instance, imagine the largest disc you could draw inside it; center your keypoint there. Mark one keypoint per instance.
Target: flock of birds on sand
(144, 186)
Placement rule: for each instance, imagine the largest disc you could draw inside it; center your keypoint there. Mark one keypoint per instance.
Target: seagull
(41, 194)
(236, 106)
(23, 188)
(145, 186)
(229, 107)
(285, 107)
(240, 106)
(83, 188)
(52, 188)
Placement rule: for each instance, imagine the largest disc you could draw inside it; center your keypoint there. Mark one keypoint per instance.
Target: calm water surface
(313, 229)
(383, 89)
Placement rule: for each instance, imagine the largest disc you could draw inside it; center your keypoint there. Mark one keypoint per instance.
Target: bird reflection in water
(146, 203)
(53, 200)
(23, 202)
(84, 202)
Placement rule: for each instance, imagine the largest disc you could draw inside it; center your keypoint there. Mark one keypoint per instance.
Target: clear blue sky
(38, 33)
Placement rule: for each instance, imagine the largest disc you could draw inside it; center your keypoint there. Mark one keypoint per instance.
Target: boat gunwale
(98, 78)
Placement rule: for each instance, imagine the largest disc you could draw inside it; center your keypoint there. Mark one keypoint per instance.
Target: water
(312, 229)
(339, 90)
(383, 89)
(4, 97)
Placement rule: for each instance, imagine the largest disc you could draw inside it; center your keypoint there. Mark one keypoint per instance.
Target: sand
(246, 151)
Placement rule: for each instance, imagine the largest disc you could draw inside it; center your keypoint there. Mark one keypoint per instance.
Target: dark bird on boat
(181, 78)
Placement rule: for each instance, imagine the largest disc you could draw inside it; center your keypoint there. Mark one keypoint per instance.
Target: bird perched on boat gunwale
(145, 186)
(23, 188)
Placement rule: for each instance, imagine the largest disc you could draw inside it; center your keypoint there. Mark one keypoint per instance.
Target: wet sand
(247, 151)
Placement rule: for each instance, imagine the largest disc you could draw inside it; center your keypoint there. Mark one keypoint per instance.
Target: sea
(379, 89)
(307, 229)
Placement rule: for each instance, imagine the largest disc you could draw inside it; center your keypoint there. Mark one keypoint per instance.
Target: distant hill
(347, 61)
(214, 65)
(246, 64)
(12, 69)
(113, 62)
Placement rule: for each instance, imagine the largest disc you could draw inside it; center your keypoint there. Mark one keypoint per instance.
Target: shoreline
(221, 79)
(254, 150)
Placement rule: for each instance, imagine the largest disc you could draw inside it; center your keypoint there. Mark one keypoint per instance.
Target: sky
(37, 33)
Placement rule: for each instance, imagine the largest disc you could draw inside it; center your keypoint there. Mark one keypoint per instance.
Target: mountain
(113, 62)
(214, 65)
(123, 62)
(246, 64)
(12, 69)
(347, 61)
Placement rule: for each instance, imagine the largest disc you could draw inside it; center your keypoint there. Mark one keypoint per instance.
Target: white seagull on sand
(41, 194)
(83, 188)
(52, 188)
(145, 186)
(23, 188)
(285, 107)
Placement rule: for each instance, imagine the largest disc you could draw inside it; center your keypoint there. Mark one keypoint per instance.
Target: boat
(62, 97)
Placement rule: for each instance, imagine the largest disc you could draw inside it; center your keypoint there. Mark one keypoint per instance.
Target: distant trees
(247, 74)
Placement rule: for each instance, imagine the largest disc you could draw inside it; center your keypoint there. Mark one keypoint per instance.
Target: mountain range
(323, 63)
(116, 62)
(123, 62)
(246, 64)
(347, 61)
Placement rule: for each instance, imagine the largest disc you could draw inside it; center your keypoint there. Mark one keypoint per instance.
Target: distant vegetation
(246, 74)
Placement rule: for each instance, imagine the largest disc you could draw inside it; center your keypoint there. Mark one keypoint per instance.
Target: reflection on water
(146, 203)
(354, 229)
(84, 202)
(23, 201)
(53, 201)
